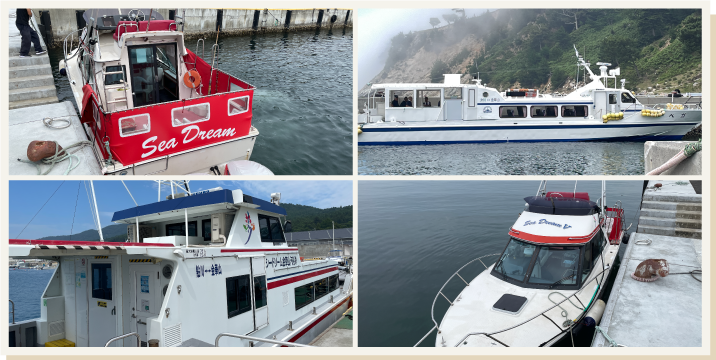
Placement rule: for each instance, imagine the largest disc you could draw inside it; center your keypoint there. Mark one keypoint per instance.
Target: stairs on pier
(671, 215)
(31, 81)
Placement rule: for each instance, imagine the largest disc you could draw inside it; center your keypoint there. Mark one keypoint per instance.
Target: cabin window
(627, 98)
(179, 229)
(102, 281)
(433, 98)
(238, 105)
(556, 265)
(485, 94)
(404, 98)
(191, 114)
(303, 295)
(587, 261)
(453, 93)
(574, 111)
(260, 299)
(515, 260)
(114, 79)
(134, 125)
(332, 283)
(543, 111)
(238, 295)
(270, 229)
(612, 98)
(513, 111)
(321, 287)
(471, 98)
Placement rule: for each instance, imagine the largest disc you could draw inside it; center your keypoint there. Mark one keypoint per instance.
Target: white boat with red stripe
(546, 283)
(148, 103)
(194, 266)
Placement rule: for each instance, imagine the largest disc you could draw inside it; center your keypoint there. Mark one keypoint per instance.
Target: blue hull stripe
(517, 127)
(533, 104)
(299, 272)
(632, 139)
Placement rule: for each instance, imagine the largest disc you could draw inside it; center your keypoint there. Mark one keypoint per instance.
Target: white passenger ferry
(546, 281)
(202, 269)
(417, 114)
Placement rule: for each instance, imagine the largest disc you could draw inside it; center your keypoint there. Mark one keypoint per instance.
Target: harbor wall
(314, 249)
(656, 153)
(56, 24)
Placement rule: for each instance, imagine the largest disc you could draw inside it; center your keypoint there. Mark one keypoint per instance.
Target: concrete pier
(26, 125)
(657, 153)
(31, 82)
(340, 334)
(666, 312)
(58, 23)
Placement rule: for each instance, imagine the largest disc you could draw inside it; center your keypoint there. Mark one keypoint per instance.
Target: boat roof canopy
(560, 205)
(207, 200)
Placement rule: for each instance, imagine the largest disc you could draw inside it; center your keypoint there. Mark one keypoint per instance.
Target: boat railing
(13, 310)
(71, 37)
(139, 341)
(566, 298)
(253, 340)
(440, 292)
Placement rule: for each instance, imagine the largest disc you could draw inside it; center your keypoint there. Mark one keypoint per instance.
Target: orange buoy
(192, 79)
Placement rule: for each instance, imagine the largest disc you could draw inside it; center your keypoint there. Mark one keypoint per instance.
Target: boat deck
(26, 126)
(664, 313)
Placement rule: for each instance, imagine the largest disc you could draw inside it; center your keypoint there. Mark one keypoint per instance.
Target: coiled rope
(567, 321)
(49, 122)
(59, 156)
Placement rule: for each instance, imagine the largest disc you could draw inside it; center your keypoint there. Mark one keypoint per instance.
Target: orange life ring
(192, 79)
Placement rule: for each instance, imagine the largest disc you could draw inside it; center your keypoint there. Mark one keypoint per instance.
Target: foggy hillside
(657, 50)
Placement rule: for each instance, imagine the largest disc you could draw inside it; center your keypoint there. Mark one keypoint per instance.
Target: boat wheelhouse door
(260, 299)
(240, 299)
(104, 305)
(152, 69)
(453, 103)
(145, 297)
(601, 103)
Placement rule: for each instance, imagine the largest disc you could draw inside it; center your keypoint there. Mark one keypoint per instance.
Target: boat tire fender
(192, 79)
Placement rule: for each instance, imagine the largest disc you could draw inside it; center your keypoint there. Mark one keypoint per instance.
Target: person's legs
(25, 39)
(35, 40)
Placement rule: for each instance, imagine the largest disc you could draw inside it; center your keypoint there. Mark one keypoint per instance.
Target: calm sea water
(415, 234)
(558, 158)
(26, 287)
(304, 98)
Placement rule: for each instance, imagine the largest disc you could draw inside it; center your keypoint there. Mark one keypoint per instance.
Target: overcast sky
(56, 218)
(373, 29)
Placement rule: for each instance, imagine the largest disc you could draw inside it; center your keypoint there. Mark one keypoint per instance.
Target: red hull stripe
(282, 282)
(84, 243)
(255, 250)
(553, 239)
(309, 327)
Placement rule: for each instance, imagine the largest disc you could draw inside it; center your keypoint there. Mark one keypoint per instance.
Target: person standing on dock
(22, 22)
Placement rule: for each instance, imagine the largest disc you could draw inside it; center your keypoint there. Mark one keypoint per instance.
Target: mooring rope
(59, 156)
(611, 341)
(689, 150)
(567, 321)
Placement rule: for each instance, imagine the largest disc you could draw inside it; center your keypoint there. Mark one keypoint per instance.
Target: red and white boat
(546, 283)
(148, 103)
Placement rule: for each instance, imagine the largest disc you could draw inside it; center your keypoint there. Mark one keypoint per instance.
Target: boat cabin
(144, 95)
(192, 267)
(455, 101)
(555, 243)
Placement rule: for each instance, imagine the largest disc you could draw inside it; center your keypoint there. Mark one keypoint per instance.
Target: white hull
(633, 128)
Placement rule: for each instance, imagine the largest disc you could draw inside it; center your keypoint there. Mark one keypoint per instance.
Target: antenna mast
(99, 224)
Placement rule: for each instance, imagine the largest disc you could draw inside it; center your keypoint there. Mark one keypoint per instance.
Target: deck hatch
(510, 303)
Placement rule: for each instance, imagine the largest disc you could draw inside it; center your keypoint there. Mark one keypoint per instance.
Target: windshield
(556, 265)
(515, 261)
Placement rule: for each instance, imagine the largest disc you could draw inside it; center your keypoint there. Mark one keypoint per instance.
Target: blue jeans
(28, 35)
